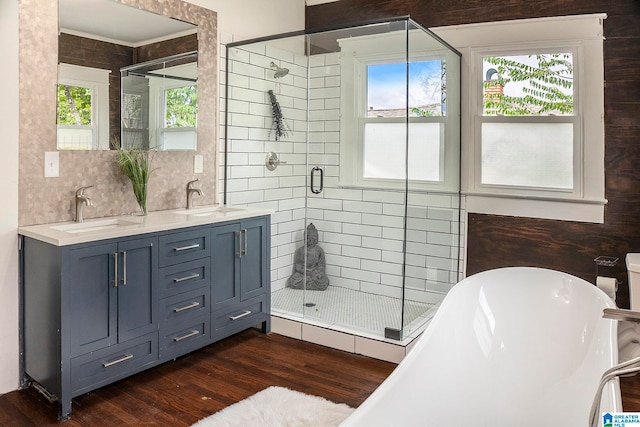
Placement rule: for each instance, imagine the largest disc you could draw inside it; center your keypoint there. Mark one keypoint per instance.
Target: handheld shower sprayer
(280, 72)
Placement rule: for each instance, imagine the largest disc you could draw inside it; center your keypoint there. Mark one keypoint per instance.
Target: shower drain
(309, 304)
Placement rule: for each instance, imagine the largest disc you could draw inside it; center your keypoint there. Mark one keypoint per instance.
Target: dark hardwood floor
(181, 392)
(630, 388)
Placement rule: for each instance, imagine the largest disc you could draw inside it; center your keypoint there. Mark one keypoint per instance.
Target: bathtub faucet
(624, 369)
(621, 314)
(630, 367)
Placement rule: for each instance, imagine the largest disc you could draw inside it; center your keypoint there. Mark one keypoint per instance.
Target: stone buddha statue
(314, 264)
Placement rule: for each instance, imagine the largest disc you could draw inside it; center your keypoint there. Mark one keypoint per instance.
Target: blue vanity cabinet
(240, 276)
(96, 312)
(90, 313)
(185, 286)
(110, 289)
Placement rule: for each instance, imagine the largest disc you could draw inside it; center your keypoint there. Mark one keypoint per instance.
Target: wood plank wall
(77, 50)
(498, 241)
(166, 48)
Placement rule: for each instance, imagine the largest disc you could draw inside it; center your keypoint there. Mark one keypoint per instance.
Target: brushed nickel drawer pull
(124, 267)
(185, 248)
(115, 362)
(182, 279)
(184, 337)
(246, 243)
(186, 307)
(246, 313)
(115, 269)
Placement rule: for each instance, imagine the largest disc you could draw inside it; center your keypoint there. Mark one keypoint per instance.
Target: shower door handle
(315, 190)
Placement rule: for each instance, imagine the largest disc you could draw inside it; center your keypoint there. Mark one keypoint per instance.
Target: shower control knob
(272, 161)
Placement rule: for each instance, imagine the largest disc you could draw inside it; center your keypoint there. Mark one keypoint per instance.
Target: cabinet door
(225, 264)
(92, 297)
(254, 274)
(137, 305)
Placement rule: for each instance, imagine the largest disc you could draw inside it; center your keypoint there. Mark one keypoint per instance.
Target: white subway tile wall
(361, 230)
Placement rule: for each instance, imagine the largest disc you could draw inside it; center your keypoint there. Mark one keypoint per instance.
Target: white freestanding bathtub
(508, 347)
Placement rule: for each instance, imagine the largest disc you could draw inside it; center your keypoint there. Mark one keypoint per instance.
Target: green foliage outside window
(181, 106)
(544, 81)
(74, 105)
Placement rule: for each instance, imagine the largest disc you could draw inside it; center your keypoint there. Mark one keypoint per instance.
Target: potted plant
(135, 163)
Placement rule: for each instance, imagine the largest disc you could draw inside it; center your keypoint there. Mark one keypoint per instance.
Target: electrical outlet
(51, 164)
(198, 163)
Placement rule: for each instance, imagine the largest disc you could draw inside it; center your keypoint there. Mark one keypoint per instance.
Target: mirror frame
(84, 48)
(45, 200)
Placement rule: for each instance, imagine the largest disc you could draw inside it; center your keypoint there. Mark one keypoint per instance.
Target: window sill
(580, 210)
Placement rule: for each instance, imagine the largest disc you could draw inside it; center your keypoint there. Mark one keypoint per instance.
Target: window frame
(585, 32)
(357, 55)
(158, 103)
(575, 119)
(97, 80)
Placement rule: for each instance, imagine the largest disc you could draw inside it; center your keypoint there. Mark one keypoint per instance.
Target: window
(395, 113)
(180, 106)
(83, 108)
(383, 125)
(175, 102)
(528, 129)
(532, 122)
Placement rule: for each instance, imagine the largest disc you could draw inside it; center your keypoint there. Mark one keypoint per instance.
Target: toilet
(633, 269)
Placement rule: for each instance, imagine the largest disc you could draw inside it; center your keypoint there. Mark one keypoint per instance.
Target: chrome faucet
(191, 191)
(81, 200)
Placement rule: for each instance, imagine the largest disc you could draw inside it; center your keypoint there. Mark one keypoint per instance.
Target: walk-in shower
(368, 152)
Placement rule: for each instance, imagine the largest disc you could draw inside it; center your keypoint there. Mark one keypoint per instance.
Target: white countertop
(70, 233)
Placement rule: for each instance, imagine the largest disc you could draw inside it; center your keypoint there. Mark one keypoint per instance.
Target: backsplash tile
(44, 200)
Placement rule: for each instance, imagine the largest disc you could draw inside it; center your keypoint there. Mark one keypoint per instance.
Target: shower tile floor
(351, 310)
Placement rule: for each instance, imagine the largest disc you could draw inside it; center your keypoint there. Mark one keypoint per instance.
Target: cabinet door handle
(124, 267)
(246, 242)
(242, 243)
(182, 279)
(245, 313)
(185, 248)
(115, 269)
(186, 307)
(184, 337)
(115, 362)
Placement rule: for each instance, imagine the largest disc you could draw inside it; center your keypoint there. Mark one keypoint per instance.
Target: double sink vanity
(104, 299)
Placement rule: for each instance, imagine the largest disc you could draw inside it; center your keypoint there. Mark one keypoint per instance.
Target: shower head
(280, 72)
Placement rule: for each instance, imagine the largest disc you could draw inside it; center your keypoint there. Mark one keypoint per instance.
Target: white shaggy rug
(279, 407)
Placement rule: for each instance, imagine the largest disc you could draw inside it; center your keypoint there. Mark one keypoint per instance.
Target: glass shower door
(432, 248)
(359, 219)
(349, 137)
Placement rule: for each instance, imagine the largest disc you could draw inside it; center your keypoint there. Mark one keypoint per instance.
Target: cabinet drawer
(183, 277)
(102, 367)
(238, 317)
(185, 336)
(185, 246)
(185, 305)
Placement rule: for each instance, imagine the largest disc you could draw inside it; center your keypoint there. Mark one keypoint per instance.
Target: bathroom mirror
(99, 38)
(159, 103)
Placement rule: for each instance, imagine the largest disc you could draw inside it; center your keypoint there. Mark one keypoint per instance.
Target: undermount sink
(208, 210)
(104, 224)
